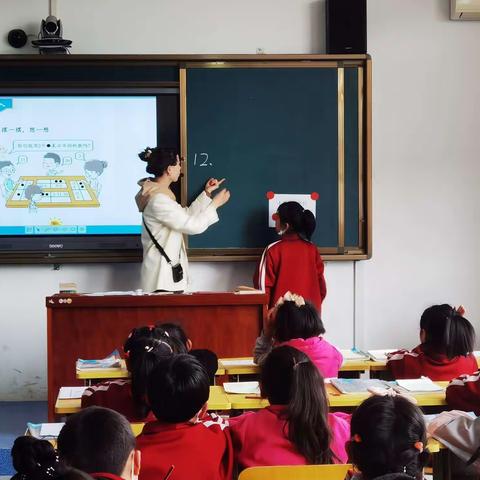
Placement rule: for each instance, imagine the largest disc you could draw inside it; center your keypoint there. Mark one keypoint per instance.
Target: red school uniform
(463, 393)
(198, 451)
(436, 366)
(294, 265)
(117, 395)
(261, 439)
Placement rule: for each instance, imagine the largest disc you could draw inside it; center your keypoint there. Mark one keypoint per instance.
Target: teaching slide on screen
(69, 164)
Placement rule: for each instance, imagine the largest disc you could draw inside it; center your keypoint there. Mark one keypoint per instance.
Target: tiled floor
(13, 422)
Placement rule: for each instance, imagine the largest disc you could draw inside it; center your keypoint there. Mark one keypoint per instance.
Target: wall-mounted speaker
(346, 26)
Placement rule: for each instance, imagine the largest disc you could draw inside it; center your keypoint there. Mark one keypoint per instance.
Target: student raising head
(447, 340)
(293, 263)
(296, 323)
(388, 439)
(128, 396)
(206, 357)
(296, 429)
(99, 441)
(197, 446)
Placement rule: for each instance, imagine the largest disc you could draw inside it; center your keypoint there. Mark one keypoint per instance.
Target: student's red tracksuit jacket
(294, 265)
(436, 366)
(463, 393)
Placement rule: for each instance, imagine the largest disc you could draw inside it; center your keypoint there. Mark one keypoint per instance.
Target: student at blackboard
(447, 341)
(292, 263)
(165, 221)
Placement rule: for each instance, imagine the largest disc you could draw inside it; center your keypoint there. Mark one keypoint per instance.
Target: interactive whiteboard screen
(69, 164)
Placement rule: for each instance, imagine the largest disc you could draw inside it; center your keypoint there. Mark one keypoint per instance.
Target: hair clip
(291, 297)
(356, 438)
(460, 310)
(148, 348)
(418, 446)
(296, 364)
(148, 152)
(165, 343)
(151, 327)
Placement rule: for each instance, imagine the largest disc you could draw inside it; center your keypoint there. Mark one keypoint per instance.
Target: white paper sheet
(71, 392)
(245, 388)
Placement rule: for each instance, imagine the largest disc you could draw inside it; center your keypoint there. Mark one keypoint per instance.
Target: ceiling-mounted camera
(50, 37)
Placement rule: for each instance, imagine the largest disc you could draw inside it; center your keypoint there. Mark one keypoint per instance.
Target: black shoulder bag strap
(154, 240)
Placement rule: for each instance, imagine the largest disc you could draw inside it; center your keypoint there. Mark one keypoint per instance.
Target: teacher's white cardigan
(168, 221)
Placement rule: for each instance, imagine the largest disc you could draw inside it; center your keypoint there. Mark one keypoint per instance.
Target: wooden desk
(339, 400)
(88, 375)
(217, 400)
(82, 326)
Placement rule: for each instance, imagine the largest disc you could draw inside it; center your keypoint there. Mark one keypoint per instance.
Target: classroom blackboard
(293, 130)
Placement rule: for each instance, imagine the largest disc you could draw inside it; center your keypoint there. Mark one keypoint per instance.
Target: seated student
(460, 433)
(197, 447)
(206, 357)
(127, 396)
(447, 340)
(388, 439)
(463, 393)
(296, 429)
(99, 441)
(35, 459)
(296, 323)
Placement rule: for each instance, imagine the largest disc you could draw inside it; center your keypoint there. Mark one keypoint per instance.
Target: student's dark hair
(301, 221)
(446, 331)
(153, 331)
(297, 322)
(143, 355)
(288, 377)
(174, 331)
(158, 159)
(384, 431)
(35, 459)
(96, 439)
(177, 388)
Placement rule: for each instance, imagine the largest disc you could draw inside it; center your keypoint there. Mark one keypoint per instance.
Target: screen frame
(59, 249)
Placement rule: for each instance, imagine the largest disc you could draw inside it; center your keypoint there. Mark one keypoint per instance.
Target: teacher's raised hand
(212, 184)
(221, 198)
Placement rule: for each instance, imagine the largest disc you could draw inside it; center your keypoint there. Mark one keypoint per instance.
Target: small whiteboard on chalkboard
(307, 201)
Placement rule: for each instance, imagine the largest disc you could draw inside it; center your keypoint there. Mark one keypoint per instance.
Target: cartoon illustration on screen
(33, 193)
(7, 169)
(52, 163)
(58, 192)
(93, 170)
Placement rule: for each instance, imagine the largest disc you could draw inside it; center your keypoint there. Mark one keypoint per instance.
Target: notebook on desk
(353, 354)
(358, 385)
(381, 355)
(111, 361)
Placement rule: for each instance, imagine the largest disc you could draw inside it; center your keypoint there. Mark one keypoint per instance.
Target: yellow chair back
(296, 472)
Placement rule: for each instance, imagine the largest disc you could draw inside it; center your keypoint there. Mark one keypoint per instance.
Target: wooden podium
(87, 326)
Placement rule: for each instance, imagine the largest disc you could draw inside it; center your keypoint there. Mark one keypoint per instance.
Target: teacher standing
(165, 221)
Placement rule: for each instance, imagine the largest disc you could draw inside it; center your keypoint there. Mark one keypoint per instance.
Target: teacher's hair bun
(146, 154)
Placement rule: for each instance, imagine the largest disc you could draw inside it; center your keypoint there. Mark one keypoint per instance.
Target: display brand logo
(55, 245)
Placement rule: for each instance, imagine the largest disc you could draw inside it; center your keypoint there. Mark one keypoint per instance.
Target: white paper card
(247, 362)
(381, 355)
(245, 388)
(423, 384)
(71, 392)
(305, 200)
(349, 354)
(50, 429)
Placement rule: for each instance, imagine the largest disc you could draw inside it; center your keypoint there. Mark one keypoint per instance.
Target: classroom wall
(425, 148)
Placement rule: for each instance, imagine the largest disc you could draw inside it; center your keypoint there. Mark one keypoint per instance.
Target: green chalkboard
(275, 130)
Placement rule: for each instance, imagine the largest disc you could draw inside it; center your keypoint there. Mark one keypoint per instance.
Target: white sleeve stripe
(461, 381)
(262, 269)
